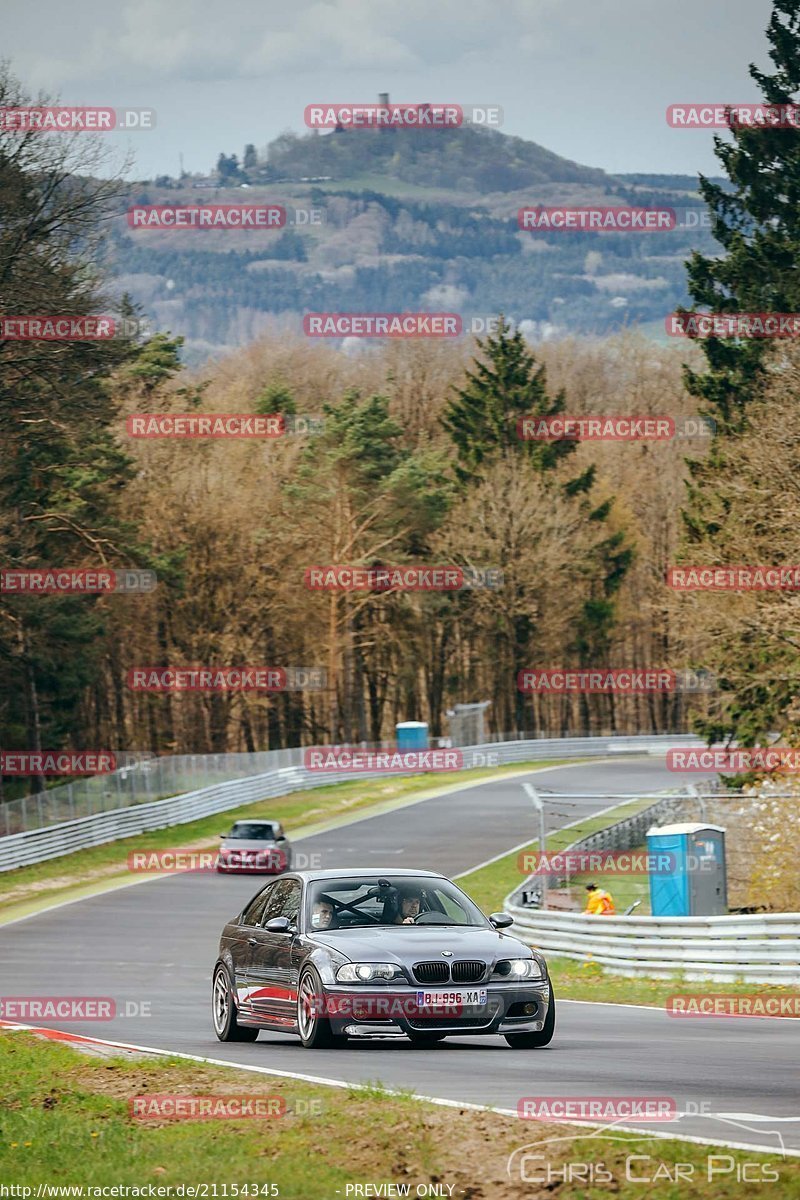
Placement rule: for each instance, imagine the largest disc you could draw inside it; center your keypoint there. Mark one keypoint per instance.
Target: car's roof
(256, 821)
(365, 873)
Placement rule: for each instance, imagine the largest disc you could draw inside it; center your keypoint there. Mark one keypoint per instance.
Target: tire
(315, 1031)
(420, 1038)
(532, 1041)
(223, 1010)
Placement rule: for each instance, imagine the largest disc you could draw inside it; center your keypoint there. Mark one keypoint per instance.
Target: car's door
(242, 943)
(273, 965)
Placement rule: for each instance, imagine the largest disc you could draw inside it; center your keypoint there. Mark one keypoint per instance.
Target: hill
(408, 221)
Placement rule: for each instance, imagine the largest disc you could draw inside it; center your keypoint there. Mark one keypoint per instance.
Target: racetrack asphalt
(735, 1080)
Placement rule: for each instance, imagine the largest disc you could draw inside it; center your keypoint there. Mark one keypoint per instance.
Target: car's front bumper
(358, 1009)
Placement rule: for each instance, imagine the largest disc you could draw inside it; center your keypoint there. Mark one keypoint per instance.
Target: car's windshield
(346, 903)
(253, 832)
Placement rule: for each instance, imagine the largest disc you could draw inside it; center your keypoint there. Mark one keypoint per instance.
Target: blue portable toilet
(412, 735)
(689, 879)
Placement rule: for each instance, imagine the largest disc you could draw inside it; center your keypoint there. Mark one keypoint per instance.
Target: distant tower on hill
(383, 101)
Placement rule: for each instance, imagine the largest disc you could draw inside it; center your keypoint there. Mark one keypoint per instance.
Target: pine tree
(483, 424)
(757, 223)
(63, 469)
(506, 386)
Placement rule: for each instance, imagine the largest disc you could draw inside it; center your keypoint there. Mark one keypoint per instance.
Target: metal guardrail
(140, 779)
(764, 948)
(146, 777)
(55, 840)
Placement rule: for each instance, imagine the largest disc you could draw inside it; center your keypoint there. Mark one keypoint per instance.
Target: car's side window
(290, 900)
(274, 907)
(283, 902)
(254, 912)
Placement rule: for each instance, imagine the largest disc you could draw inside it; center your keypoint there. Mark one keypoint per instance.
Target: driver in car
(322, 914)
(409, 908)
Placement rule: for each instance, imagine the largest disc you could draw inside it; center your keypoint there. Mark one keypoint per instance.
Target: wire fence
(140, 781)
(144, 779)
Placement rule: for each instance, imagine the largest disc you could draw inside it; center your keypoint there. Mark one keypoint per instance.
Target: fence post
(695, 794)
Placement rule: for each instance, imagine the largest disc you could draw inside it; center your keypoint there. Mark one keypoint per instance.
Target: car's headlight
(364, 972)
(519, 968)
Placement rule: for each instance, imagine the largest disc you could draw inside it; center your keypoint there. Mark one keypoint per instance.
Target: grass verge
(66, 1120)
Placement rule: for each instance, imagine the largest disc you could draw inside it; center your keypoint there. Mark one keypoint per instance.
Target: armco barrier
(755, 949)
(53, 841)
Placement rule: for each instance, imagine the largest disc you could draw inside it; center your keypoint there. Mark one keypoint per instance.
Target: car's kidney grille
(468, 970)
(432, 972)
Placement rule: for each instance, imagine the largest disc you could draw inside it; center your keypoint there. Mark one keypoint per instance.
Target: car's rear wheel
(223, 1010)
(421, 1038)
(542, 1037)
(314, 1029)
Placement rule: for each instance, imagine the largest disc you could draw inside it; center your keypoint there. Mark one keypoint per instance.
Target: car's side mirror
(501, 920)
(278, 925)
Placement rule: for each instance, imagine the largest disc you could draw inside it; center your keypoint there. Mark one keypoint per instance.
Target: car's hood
(407, 944)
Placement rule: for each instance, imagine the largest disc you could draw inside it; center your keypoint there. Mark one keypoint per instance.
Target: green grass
(66, 1120)
(573, 980)
(58, 877)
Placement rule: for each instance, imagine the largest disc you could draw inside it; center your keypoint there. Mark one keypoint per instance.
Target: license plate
(461, 997)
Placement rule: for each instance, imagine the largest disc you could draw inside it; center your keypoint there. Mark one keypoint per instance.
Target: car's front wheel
(223, 1011)
(543, 1037)
(314, 1029)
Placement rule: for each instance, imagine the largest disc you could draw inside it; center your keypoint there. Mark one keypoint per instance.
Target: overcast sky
(588, 79)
